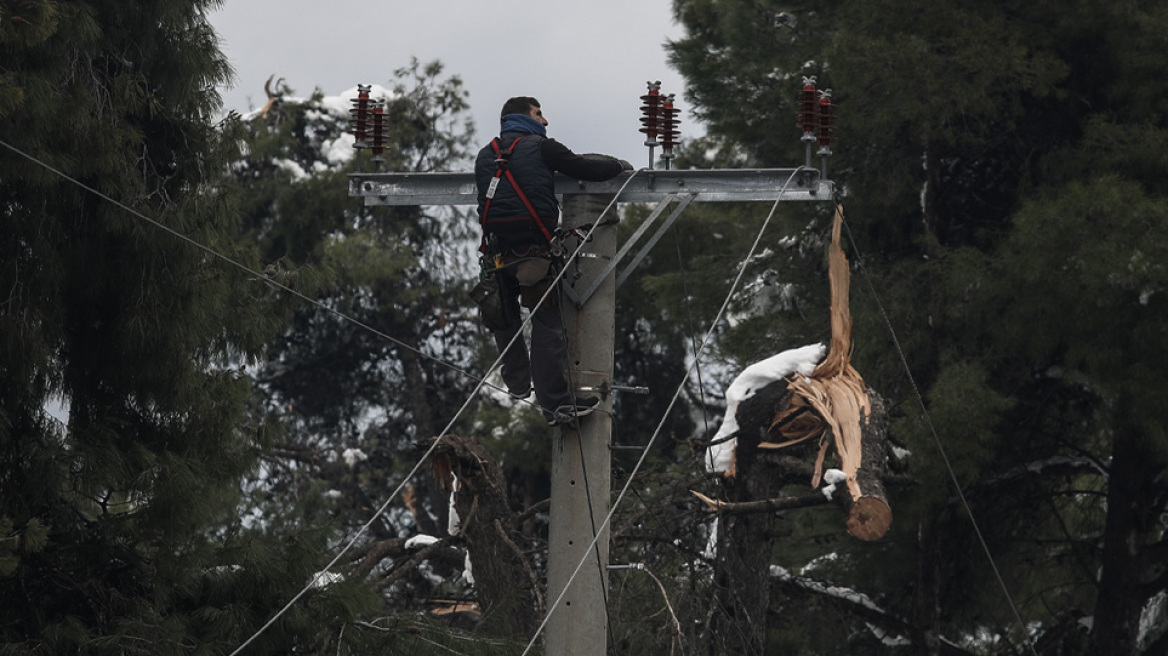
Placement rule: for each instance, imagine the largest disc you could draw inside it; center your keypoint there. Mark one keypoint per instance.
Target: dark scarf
(521, 123)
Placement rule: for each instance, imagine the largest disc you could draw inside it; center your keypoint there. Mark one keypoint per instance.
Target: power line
(425, 456)
(243, 267)
(937, 439)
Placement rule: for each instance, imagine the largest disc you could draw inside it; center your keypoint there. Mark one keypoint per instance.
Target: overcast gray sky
(587, 61)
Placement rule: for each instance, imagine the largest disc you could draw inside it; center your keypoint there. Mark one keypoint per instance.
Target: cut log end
(869, 518)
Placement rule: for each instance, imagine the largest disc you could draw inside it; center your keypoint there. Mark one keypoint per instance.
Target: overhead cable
(937, 439)
(425, 456)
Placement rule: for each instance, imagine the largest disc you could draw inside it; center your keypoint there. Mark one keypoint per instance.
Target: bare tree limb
(762, 505)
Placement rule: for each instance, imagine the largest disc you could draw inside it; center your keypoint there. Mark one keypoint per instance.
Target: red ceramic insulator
(808, 107)
(651, 113)
(826, 119)
(359, 121)
(379, 120)
(669, 123)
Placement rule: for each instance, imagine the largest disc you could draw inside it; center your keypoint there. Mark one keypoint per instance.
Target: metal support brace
(685, 201)
(580, 298)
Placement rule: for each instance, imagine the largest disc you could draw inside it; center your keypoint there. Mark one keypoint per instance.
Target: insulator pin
(808, 107)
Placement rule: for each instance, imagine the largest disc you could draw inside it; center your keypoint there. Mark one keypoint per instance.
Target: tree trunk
(927, 603)
(429, 497)
(741, 572)
(832, 405)
(869, 515)
(1132, 524)
(507, 587)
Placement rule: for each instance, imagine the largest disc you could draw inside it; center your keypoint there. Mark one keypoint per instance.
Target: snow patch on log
(848, 595)
(720, 455)
(420, 540)
(831, 477)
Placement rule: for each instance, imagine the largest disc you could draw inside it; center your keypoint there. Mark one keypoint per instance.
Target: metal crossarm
(726, 185)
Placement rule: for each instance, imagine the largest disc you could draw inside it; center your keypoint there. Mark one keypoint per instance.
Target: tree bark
(1132, 525)
(869, 515)
(927, 595)
(508, 590)
(744, 554)
(429, 498)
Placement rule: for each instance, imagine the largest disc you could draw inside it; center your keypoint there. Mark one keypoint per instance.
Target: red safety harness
(502, 158)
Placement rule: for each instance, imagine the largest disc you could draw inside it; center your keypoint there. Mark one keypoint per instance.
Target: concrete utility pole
(581, 463)
(581, 466)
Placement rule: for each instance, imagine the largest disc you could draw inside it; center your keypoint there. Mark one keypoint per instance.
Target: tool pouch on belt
(487, 296)
(535, 277)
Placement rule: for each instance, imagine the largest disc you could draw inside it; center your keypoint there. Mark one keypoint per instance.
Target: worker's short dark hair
(518, 105)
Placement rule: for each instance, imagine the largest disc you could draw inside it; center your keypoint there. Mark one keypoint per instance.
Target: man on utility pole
(516, 191)
(515, 176)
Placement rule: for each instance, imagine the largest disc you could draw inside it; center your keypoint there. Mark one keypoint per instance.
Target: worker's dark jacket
(533, 161)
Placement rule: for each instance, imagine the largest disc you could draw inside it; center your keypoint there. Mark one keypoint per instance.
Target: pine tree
(387, 355)
(124, 431)
(1003, 182)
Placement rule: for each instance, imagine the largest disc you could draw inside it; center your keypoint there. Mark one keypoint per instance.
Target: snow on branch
(720, 456)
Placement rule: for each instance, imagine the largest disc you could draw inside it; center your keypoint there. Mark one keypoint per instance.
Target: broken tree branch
(847, 408)
(762, 505)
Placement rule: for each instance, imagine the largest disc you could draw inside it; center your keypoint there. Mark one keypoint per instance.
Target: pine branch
(859, 605)
(399, 572)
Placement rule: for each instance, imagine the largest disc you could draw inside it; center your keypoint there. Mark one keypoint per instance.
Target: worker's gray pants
(545, 368)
